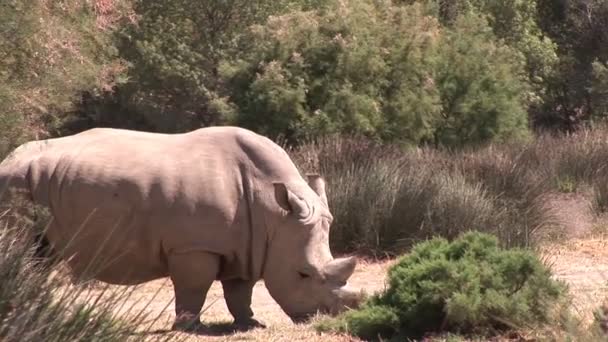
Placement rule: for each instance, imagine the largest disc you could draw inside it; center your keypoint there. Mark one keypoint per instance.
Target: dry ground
(369, 276)
(583, 265)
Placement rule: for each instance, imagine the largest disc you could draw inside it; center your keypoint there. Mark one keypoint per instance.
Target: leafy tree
(174, 50)
(599, 89)
(308, 73)
(580, 28)
(514, 22)
(381, 70)
(482, 90)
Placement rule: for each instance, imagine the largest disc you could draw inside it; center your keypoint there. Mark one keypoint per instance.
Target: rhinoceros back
(126, 199)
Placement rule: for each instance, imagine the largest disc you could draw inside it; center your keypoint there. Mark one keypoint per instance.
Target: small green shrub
(468, 286)
(566, 185)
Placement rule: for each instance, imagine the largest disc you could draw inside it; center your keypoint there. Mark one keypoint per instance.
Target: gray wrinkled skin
(219, 203)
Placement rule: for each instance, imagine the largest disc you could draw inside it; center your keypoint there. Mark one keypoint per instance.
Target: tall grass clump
(517, 179)
(580, 156)
(599, 198)
(36, 305)
(468, 286)
(385, 198)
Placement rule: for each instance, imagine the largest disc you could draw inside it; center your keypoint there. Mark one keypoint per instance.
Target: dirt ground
(583, 265)
(578, 258)
(369, 276)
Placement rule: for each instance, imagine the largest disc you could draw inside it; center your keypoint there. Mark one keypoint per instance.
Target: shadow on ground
(213, 329)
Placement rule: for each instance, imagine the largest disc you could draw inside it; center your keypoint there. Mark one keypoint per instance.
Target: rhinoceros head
(301, 273)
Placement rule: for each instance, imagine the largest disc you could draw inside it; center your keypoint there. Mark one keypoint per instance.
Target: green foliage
(513, 21)
(175, 49)
(599, 90)
(380, 70)
(468, 286)
(566, 185)
(481, 89)
(580, 29)
(437, 72)
(369, 322)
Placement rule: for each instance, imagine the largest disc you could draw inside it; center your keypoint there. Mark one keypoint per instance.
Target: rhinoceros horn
(339, 270)
(317, 184)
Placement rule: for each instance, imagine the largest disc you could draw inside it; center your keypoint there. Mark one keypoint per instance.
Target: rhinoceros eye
(303, 275)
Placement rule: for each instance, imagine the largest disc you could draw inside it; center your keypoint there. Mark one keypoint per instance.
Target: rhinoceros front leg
(237, 294)
(192, 275)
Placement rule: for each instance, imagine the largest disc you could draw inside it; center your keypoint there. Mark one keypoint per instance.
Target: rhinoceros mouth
(300, 319)
(306, 317)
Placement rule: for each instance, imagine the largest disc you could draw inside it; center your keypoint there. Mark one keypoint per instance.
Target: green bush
(467, 286)
(515, 22)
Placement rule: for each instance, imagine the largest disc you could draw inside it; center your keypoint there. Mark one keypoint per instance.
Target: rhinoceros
(217, 203)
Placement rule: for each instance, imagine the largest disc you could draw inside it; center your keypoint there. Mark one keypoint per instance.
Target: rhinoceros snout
(298, 319)
(344, 298)
(347, 298)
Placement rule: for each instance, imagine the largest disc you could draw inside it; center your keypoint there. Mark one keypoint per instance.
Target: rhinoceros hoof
(249, 324)
(194, 326)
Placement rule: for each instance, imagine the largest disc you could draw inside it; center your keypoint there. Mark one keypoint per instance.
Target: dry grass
(35, 307)
(385, 198)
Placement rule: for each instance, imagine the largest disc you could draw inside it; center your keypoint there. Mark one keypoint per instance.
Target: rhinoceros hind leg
(237, 294)
(192, 275)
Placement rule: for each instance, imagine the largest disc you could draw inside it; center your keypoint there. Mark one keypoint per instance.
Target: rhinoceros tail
(13, 175)
(15, 187)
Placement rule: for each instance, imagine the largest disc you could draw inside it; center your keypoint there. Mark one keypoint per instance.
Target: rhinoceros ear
(290, 202)
(339, 270)
(317, 184)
